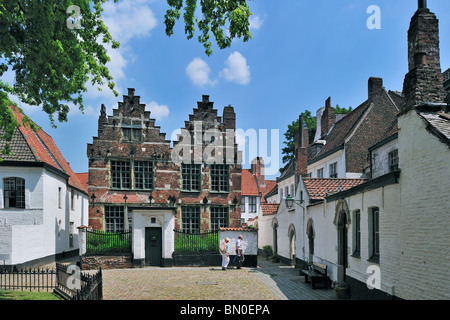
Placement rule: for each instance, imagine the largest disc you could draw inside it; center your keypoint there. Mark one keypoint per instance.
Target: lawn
(27, 295)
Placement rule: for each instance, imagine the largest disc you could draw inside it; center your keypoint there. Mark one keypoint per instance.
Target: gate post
(82, 240)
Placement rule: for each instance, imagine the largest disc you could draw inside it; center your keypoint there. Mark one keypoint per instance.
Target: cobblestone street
(270, 281)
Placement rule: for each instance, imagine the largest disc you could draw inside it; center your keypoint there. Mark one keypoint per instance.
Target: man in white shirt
(239, 252)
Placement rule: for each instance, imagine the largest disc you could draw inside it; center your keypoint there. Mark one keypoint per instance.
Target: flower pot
(342, 292)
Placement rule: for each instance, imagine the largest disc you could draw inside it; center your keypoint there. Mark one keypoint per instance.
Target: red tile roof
(44, 150)
(248, 184)
(317, 188)
(83, 178)
(269, 208)
(270, 184)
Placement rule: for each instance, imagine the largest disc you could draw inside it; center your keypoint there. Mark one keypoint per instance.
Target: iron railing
(108, 243)
(27, 279)
(72, 284)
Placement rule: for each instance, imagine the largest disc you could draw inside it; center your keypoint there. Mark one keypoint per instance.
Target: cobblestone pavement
(270, 281)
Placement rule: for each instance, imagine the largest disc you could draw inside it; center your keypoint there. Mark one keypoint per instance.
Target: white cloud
(255, 22)
(198, 71)
(158, 111)
(128, 19)
(236, 69)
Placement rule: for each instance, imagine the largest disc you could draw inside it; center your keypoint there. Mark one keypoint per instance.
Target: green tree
(309, 122)
(55, 47)
(224, 19)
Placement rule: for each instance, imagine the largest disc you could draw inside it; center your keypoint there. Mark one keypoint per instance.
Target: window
(219, 177)
(333, 170)
(191, 176)
(242, 204)
(131, 134)
(121, 174)
(320, 173)
(374, 235)
(143, 175)
(393, 160)
(219, 218)
(72, 200)
(281, 194)
(357, 233)
(190, 219)
(252, 204)
(59, 197)
(14, 196)
(114, 218)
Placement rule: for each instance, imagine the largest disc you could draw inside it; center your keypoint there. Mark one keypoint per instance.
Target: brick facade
(131, 166)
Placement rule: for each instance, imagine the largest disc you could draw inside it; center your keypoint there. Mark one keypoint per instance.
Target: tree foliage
(224, 19)
(55, 47)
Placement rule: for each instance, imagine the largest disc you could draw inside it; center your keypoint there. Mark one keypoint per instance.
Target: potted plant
(342, 290)
(275, 258)
(267, 251)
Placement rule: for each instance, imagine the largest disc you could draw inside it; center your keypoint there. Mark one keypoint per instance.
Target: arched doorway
(275, 235)
(311, 235)
(291, 236)
(342, 220)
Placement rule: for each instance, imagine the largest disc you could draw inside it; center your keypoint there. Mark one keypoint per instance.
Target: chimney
(423, 83)
(131, 92)
(102, 118)
(229, 118)
(301, 144)
(375, 86)
(258, 171)
(328, 118)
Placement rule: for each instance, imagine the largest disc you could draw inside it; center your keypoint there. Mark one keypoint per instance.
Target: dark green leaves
(224, 19)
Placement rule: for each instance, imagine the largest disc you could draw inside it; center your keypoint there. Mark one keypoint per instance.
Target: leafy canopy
(54, 49)
(224, 19)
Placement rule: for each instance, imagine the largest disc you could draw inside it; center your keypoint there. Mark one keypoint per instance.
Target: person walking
(240, 251)
(225, 254)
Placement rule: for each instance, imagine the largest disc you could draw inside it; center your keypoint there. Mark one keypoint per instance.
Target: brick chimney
(423, 83)
(375, 86)
(301, 144)
(328, 118)
(258, 171)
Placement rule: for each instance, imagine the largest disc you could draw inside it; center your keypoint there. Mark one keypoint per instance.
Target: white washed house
(42, 201)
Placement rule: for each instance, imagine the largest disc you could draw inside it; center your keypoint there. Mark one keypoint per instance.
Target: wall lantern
(93, 199)
(290, 202)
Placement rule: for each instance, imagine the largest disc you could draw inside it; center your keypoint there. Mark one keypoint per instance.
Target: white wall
(42, 228)
(380, 158)
(339, 157)
(424, 229)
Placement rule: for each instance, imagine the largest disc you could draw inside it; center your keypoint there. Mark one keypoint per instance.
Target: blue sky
(302, 52)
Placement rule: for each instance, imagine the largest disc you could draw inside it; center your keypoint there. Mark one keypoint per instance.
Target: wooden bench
(318, 272)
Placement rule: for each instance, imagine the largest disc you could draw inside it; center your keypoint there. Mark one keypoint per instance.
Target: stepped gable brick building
(134, 173)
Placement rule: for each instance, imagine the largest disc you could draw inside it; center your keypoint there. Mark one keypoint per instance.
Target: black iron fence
(67, 281)
(28, 279)
(72, 284)
(197, 242)
(108, 243)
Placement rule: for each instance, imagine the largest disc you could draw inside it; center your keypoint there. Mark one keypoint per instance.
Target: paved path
(270, 281)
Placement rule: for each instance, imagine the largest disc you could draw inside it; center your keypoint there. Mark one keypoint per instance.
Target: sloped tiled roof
(439, 122)
(29, 145)
(269, 208)
(318, 188)
(248, 184)
(270, 184)
(84, 179)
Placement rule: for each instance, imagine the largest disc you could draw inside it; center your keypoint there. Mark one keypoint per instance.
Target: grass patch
(27, 295)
